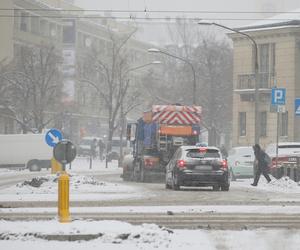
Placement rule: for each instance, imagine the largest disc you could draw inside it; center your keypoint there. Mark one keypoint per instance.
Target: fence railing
(247, 81)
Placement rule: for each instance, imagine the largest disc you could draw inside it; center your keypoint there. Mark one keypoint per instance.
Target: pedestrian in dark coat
(93, 148)
(101, 146)
(261, 164)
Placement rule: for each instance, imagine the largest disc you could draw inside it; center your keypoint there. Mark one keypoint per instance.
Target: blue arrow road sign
(297, 106)
(278, 96)
(53, 136)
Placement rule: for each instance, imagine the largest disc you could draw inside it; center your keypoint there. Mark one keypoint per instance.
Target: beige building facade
(279, 66)
(30, 23)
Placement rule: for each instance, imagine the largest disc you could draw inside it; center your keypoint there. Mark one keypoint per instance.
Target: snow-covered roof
(291, 18)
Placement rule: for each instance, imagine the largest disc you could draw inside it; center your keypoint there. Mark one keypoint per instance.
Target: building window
(266, 53)
(16, 19)
(283, 119)
(24, 22)
(53, 30)
(44, 25)
(35, 25)
(263, 124)
(247, 97)
(69, 31)
(242, 123)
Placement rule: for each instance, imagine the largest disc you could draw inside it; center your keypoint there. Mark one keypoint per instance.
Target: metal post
(63, 197)
(277, 138)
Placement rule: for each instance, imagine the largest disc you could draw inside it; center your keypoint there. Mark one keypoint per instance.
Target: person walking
(101, 146)
(93, 148)
(262, 164)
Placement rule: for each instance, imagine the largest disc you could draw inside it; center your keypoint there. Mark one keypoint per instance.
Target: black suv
(197, 166)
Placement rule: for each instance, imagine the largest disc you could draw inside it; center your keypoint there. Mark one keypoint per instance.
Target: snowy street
(101, 205)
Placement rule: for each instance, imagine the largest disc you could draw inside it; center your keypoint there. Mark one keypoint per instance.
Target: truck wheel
(34, 165)
(225, 187)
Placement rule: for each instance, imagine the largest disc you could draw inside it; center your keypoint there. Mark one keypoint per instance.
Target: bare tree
(215, 81)
(34, 84)
(211, 56)
(108, 75)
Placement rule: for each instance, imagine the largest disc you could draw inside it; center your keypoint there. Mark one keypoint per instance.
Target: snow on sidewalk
(113, 235)
(282, 185)
(82, 188)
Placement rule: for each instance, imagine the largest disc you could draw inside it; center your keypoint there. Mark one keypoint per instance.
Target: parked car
(115, 148)
(84, 147)
(288, 157)
(240, 162)
(197, 166)
(25, 151)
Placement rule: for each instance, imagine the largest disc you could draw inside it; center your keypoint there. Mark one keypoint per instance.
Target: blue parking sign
(297, 106)
(278, 96)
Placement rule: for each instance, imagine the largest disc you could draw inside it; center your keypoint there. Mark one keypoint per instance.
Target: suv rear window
(209, 153)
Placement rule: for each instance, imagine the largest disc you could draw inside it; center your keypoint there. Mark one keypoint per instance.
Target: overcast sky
(194, 5)
(227, 5)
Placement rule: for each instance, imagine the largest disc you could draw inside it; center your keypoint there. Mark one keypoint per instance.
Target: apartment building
(35, 22)
(278, 57)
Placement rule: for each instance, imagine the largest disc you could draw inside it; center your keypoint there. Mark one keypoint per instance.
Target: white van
(25, 150)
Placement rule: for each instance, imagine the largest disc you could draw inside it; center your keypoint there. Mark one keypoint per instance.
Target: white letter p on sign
(278, 95)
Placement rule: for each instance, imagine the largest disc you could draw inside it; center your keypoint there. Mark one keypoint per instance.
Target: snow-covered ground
(113, 235)
(283, 185)
(83, 186)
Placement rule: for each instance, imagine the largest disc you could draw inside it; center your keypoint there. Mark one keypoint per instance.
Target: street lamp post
(142, 66)
(154, 50)
(256, 87)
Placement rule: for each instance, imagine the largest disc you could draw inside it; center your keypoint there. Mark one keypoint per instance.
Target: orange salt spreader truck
(155, 138)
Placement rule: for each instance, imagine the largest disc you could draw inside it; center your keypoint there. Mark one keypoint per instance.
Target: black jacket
(260, 157)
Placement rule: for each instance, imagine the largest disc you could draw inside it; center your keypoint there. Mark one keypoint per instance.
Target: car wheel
(175, 185)
(34, 165)
(225, 187)
(216, 187)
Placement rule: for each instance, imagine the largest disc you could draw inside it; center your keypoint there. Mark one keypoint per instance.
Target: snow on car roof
(195, 147)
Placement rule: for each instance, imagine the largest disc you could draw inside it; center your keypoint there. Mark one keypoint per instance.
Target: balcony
(246, 82)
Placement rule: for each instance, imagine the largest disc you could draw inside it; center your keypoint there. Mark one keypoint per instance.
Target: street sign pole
(277, 139)
(278, 100)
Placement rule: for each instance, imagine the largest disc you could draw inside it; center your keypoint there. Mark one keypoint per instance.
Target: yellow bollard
(63, 198)
(55, 166)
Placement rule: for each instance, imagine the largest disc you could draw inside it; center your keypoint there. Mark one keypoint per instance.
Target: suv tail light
(224, 165)
(181, 164)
